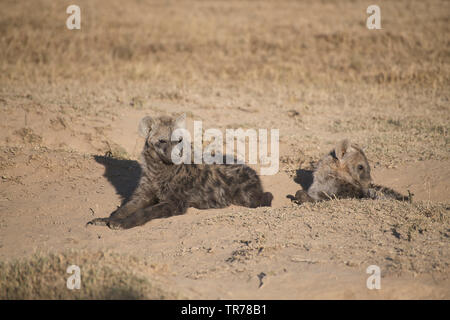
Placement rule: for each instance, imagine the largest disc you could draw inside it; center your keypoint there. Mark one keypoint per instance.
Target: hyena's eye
(360, 167)
(162, 141)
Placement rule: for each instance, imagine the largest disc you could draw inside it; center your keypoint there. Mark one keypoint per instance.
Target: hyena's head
(158, 134)
(353, 164)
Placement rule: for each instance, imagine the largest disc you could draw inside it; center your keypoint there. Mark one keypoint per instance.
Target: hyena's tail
(266, 199)
(99, 222)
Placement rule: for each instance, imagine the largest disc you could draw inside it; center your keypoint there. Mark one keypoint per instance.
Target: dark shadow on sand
(303, 178)
(124, 175)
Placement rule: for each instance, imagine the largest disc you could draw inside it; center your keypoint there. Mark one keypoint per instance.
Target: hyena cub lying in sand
(166, 189)
(345, 173)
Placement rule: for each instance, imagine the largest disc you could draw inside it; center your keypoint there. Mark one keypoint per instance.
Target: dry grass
(314, 57)
(278, 42)
(103, 276)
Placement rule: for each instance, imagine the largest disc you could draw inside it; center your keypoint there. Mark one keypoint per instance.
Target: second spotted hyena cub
(166, 189)
(344, 173)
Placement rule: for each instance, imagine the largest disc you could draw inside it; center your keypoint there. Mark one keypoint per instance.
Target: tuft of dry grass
(104, 275)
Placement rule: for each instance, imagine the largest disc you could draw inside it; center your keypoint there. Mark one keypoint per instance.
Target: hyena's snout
(365, 186)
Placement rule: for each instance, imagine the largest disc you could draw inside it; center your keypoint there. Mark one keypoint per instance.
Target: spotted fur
(166, 189)
(344, 173)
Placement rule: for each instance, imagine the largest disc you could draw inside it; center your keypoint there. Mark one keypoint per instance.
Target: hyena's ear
(357, 147)
(342, 148)
(180, 122)
(144, 126)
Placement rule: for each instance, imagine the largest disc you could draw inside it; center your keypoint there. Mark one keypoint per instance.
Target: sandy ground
(55, 177)
(47, 196)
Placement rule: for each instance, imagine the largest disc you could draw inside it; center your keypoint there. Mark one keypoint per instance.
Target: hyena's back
(218, 186)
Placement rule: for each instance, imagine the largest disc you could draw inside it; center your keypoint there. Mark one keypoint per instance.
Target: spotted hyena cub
(166, 189)
(344, 173)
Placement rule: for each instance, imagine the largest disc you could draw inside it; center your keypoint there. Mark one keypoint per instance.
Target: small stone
(293, 113)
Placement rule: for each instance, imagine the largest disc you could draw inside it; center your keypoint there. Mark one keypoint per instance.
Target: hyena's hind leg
(248, 191)
(253, 200)
(251, 195)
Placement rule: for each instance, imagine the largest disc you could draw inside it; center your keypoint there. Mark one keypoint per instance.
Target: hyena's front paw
(115, 224)
(98, 222)
(302, 196)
